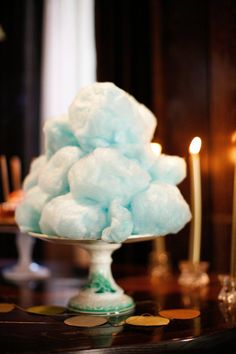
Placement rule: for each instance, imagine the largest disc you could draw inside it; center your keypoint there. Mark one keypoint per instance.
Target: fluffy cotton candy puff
(104, 115)
(120, 223)
(37, 165)
(66, 217)
(105, 175)
(168, 169)
(28, 212)
(58, 134)
(53, 179)
(159, 210)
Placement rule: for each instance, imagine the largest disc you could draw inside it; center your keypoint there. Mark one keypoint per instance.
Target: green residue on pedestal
(99, 282)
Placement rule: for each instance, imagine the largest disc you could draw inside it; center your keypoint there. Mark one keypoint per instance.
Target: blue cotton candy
(160, 210)
(142, 154)
(99, 178)
(169, 169)
(54, 177)
(28, 212)
(36, 167)
(121, 224)
(58, 134)
(105, 175)
(103, 115)
(65, 217)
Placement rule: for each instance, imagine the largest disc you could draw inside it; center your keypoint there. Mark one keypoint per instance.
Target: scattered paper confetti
(46, 309)
(147, 321)
(6, 307)
(85, 321)
(180, 314)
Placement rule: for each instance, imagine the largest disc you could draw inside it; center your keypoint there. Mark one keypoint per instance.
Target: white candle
(233, 237)
(196, 200)
(159, 242)
(156, 148)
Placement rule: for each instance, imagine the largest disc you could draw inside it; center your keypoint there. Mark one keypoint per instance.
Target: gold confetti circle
(6, 307)
(46, 309)
(180, 314)
(85, 321)
(147, 321)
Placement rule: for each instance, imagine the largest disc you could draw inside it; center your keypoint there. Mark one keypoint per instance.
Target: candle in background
(156, 148)
(159, 242)
(196, 201)
(233, 237)
(4, 177)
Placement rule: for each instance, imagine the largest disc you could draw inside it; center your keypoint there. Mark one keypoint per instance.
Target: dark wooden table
(8, 226)
(214, 331)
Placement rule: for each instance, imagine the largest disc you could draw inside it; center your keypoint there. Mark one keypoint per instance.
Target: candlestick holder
(193, 274)
(159, 264)
(228, 311)
(227, 293)
(25, 269)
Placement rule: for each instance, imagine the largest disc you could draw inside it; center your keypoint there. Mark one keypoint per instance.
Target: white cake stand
(101, 295)
(25, 269)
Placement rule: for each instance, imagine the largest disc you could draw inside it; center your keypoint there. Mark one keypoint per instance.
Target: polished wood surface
(23, 332)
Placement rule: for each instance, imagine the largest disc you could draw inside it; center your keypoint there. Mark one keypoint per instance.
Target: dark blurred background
(176, 57)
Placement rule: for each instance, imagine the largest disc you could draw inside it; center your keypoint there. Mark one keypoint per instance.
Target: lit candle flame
(195, 145)
(156, 148)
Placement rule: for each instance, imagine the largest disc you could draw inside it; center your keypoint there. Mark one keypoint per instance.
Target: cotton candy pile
(98, 177)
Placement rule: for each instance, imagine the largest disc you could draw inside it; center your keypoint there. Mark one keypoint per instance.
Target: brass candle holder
(227, 293)
(193, 274)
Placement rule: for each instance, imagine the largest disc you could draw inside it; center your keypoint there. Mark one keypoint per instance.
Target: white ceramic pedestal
(25, 269)
(101, 295)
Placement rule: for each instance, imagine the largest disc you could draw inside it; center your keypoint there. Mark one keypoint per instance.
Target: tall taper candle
(233, 236)
(196, 201)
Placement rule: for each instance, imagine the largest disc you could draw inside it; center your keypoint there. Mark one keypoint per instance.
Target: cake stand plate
(100, 295)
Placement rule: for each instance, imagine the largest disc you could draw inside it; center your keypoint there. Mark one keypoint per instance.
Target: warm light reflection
(233, 148)
(233, 155)
(233, 237)
(195, 145)
(233, 138)
(156, 148)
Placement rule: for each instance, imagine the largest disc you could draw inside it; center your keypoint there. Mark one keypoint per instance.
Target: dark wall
(178, 57)
(20, 62)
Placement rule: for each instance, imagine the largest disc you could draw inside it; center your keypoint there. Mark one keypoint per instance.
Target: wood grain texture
(24, 332)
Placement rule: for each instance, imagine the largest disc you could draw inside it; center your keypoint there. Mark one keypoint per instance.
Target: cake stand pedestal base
(101, 295)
